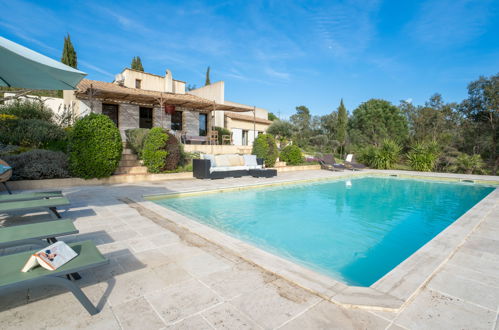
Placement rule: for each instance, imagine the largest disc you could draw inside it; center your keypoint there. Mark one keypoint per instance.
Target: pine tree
(69, 53)
(137, 64)
(207, 82)
(342, 125)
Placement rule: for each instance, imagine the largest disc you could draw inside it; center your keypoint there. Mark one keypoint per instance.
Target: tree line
(438, 136)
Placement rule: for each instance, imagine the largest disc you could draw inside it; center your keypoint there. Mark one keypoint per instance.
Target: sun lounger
(35, 233)
(353, 165)
(11, 277)
(329, 163)
(33, 205)
(30, 196)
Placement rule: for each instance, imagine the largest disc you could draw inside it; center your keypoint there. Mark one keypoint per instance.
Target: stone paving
(160, 279)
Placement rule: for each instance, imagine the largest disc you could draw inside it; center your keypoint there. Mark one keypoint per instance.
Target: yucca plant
(423, 156)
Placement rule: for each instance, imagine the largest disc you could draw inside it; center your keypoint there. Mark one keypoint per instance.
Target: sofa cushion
(228, 168)
(255, 167)
(222, 160)
(250, 160)
(236, 160)
(209, 157)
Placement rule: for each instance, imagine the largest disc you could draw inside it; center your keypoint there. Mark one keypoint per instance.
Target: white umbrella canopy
(24, 68)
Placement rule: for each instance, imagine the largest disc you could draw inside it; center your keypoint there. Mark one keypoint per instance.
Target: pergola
(111, 92)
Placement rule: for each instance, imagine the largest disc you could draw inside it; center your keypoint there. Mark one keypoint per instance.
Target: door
(203, 124)
(111, 110)
(145, 117)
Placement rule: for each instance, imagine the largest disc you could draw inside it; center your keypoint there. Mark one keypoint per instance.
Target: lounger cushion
(40, 230)
(11, 275)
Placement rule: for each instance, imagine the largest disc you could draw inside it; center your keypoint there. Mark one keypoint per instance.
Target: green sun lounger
(11, 277)
(33, 205)
(30, 196)
(36, 233)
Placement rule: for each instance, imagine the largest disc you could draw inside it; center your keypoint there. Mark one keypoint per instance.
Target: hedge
(95, 147)
(265, 147)
(291, 155)
(38, 164)
(154, 153)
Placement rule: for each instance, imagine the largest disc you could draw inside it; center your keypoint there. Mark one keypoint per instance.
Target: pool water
(354, 230)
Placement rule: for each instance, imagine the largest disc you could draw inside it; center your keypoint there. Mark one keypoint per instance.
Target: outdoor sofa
(230, 165)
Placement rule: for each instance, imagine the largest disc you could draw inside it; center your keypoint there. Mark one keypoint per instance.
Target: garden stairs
(130, 164)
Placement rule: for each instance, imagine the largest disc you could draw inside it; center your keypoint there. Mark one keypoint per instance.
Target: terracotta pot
(169, 109)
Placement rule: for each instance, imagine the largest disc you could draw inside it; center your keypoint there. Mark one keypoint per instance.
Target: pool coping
(391, 292)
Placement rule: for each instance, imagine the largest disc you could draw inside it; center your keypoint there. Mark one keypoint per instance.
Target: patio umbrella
(24, 68)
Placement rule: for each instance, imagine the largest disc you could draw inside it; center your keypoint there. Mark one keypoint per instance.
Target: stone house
(138, 99)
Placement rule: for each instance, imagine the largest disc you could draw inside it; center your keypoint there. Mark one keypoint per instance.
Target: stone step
(129, 157)
(127, 151)
(129, 162)
(280, 164)
(131, 170)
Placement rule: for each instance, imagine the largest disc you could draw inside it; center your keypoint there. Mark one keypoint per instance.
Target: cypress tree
(69, 53)
(342, 125)
(137, 64)
(207, 82)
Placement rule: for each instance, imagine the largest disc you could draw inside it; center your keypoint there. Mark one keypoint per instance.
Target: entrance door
(111, 110)
(145, 117)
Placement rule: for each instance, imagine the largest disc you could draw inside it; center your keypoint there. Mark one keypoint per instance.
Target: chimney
(168, 81)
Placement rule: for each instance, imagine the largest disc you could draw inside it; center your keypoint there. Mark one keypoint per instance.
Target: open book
(51, 257)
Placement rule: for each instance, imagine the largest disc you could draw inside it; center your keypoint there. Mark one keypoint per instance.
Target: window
(138, 82)
(145, 117)
(203, 124)
(111, 110)
(245, 138)
(177, 121)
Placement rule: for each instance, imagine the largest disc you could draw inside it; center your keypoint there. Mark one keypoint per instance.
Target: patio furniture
(214, 137)
(350, 163)
(329, 163)
(229, 165)
(35, 233)
(193, 139)
(263, 173)
(33, 205)
(11, 277)
(30, 196)
(227, 139)
(5, 174)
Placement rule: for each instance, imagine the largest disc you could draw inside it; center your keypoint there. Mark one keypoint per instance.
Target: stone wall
(191, 122)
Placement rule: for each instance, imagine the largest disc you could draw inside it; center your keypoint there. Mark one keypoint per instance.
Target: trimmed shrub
(135, 138)
(28, 110)
(291, 155)
(423, 156)
(94, 147)
(265, 147)
(174, 153)
(38, 164)
(382, 157)
(154, 153)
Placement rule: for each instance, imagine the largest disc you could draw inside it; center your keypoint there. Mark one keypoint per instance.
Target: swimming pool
(354, 230)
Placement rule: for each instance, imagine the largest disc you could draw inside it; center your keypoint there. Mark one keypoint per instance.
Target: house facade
(138, 99)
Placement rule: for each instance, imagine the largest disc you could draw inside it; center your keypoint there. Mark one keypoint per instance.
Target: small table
(263, 173)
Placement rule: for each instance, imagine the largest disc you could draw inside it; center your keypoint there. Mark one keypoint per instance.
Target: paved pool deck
(167, 273)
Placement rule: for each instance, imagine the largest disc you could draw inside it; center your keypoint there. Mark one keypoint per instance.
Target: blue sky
(277, 54)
